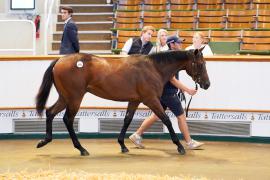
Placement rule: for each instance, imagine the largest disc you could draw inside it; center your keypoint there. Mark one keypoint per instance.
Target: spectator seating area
(238, 21)
(138, 5)
(194, 19)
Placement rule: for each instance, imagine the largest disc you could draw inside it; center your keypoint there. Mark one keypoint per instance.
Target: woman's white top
(161, 48)
(206, 51)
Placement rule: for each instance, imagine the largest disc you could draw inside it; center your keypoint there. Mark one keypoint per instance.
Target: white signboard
(22, 4)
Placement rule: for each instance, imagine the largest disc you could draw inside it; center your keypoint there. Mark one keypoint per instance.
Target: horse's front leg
(156, 107)
(132, 106)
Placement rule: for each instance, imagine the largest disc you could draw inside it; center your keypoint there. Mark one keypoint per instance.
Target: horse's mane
(166, 57)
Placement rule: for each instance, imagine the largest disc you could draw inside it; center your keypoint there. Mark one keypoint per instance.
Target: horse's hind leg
(50, 114)
(132, 106)
(156, 107)
(68, 120)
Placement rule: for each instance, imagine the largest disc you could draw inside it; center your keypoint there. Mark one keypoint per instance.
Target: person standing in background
(69, 41)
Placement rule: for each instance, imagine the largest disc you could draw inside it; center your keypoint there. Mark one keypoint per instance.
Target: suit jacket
(70, 41)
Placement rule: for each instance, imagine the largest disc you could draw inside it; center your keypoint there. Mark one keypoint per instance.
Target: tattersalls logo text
(262, 116)
(229, 116)
(9, 114)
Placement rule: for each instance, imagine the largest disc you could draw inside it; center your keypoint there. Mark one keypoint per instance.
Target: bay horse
(136, 79)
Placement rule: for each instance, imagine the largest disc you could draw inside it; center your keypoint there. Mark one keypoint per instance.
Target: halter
(196, 71)
(196, 75)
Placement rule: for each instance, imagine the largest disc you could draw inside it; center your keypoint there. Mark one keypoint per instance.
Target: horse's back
(116, 79)
(124, 79)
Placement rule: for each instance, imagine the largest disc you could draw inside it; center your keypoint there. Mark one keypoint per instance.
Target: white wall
(234, 85)
(2, 6)
(15, 38)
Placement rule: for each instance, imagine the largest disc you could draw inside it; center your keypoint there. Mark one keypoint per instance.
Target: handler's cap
(174, 39)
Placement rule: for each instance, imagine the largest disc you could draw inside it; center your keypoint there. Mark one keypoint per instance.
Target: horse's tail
(45, 88)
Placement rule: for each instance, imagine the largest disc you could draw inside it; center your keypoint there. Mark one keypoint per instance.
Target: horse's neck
(167, 70)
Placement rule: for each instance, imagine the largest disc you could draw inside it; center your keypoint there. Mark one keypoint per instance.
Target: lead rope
(187, 108)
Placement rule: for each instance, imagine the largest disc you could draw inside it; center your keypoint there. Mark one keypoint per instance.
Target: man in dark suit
(70, 41)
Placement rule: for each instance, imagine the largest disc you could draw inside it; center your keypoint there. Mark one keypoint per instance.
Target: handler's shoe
(194, 144)
(137, 140)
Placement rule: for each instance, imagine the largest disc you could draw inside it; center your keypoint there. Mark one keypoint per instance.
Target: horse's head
(196, 68)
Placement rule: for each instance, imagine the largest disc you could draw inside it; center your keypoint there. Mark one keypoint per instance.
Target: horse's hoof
(85, 153)
(42, 143)
(124, 150)
(181, 151)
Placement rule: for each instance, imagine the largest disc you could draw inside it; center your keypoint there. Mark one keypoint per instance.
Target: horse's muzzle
(205, 85)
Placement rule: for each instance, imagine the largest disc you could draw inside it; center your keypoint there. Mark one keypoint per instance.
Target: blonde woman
(161, 42)
(199, 41)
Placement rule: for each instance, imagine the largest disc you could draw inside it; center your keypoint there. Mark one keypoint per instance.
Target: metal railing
(33, 49)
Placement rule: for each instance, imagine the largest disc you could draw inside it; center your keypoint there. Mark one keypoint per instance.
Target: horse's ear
(196, 51)
(201, 49)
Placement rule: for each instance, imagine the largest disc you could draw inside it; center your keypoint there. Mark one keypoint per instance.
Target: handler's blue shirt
(169, 88)
(169, 98)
